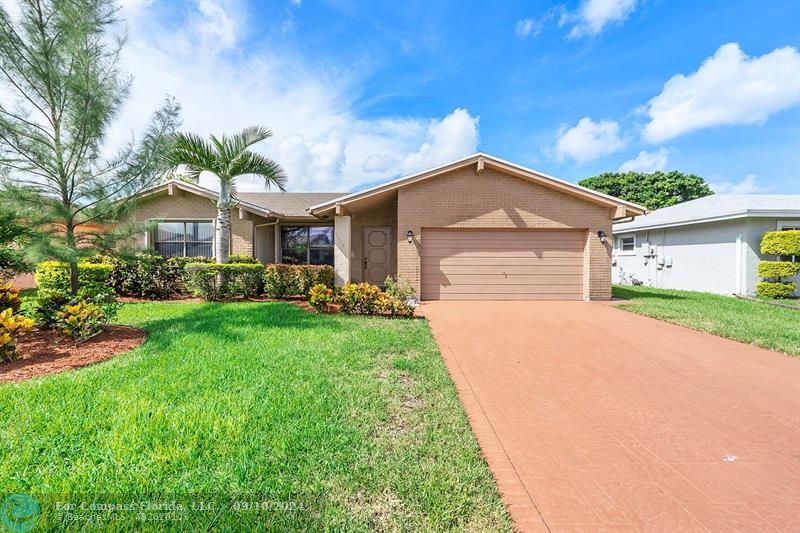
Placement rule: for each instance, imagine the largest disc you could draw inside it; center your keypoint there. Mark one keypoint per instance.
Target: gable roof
(716, 207)
(483, 160)
(290, 204)
(266, 204)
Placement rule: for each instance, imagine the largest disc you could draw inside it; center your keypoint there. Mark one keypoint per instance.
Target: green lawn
(755, 323)
(316, 422)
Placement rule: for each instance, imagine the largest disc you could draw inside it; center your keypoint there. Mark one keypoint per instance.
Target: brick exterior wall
(188, 206)
(491, 199)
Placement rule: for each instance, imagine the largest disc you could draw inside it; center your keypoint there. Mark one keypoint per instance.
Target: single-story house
(476, 228)
(711, 244)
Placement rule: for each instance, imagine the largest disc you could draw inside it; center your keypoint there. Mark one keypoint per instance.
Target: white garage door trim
(470, 264)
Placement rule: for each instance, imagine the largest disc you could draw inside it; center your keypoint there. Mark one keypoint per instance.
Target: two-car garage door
(502, 265)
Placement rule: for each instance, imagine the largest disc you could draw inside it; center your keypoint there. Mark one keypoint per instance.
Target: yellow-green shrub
(11, 327)
(9, 296)
(781, 243)
(778, 269)
(93, 278)
(775, 289)
(320, 297)
(82, 321)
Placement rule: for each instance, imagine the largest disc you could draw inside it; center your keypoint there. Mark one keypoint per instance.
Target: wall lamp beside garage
(602, 235)
(410, 236)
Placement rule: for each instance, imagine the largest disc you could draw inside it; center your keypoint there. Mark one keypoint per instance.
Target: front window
(307, 245)
(627, 244)
(185, 239)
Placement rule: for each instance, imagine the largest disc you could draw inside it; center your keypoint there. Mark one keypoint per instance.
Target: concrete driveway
(596, 419)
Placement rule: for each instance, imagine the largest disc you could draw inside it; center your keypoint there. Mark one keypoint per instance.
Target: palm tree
(227, 158)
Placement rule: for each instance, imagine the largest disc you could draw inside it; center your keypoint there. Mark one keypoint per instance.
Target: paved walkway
(596, 419)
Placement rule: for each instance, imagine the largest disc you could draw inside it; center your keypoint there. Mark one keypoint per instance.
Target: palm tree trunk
(223, 235)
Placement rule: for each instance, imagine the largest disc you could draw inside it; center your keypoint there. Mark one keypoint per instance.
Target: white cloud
(729, 88)
(646, 162)
(748, 185)
(593, 16)
(296, 3)
(588, 140)
(527, 27)
(378, 163)
(319, 138)
(217, 26)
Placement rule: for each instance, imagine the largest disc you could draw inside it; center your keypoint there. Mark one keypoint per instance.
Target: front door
(377, 254)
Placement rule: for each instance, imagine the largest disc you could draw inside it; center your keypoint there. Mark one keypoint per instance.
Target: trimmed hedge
(366, 299)
(93, 278)
(775, 289)
(282, 280)
(243, 259)
(781, 243)
(212, 281)
(778, 269)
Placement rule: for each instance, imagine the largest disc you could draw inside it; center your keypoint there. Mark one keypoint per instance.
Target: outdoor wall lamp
(410, 236)
(602, 235)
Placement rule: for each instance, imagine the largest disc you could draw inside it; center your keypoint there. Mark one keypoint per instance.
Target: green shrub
(146, 276)
(93, 278)
(9, 297)
(181, 262)
(243, 259)
(778, 269)
(320, 297)
(775, 289)
(82, 321)
(219, 282)
(282, 280)
(781, 243)
(12, 326)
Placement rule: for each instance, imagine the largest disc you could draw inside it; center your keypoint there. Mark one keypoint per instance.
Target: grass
(754, 323)
(315, 422)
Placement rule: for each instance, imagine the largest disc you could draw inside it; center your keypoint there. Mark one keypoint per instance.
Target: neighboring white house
(710, 244)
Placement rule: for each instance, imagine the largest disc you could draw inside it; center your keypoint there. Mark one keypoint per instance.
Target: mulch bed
(47, 352)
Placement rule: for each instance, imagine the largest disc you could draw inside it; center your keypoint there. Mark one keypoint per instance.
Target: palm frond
(259, 165)
(246, 138)
(192, 151)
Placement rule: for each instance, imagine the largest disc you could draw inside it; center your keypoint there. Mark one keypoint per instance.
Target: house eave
(207, 193)
(482, 161)
(753, 213)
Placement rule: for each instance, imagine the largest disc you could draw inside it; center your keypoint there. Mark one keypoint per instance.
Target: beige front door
(377, 254)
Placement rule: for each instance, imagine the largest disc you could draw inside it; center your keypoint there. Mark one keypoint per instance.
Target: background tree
(59, 61)
(653, 190)
(227, 158)
(14, 235)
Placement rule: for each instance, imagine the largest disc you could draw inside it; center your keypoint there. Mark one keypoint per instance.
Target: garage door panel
(494, 279)
(502, 289)
(502, 265)
(509, 270)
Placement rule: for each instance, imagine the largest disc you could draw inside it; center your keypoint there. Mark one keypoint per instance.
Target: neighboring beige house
(475, 229)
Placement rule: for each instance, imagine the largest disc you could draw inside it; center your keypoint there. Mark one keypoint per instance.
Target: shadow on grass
(643, 293)
(229, 322)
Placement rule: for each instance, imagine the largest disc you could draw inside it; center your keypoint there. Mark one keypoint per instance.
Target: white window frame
(150, 236)
(622, 238)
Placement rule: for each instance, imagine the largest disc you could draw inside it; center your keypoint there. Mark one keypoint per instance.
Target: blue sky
(360, 92)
